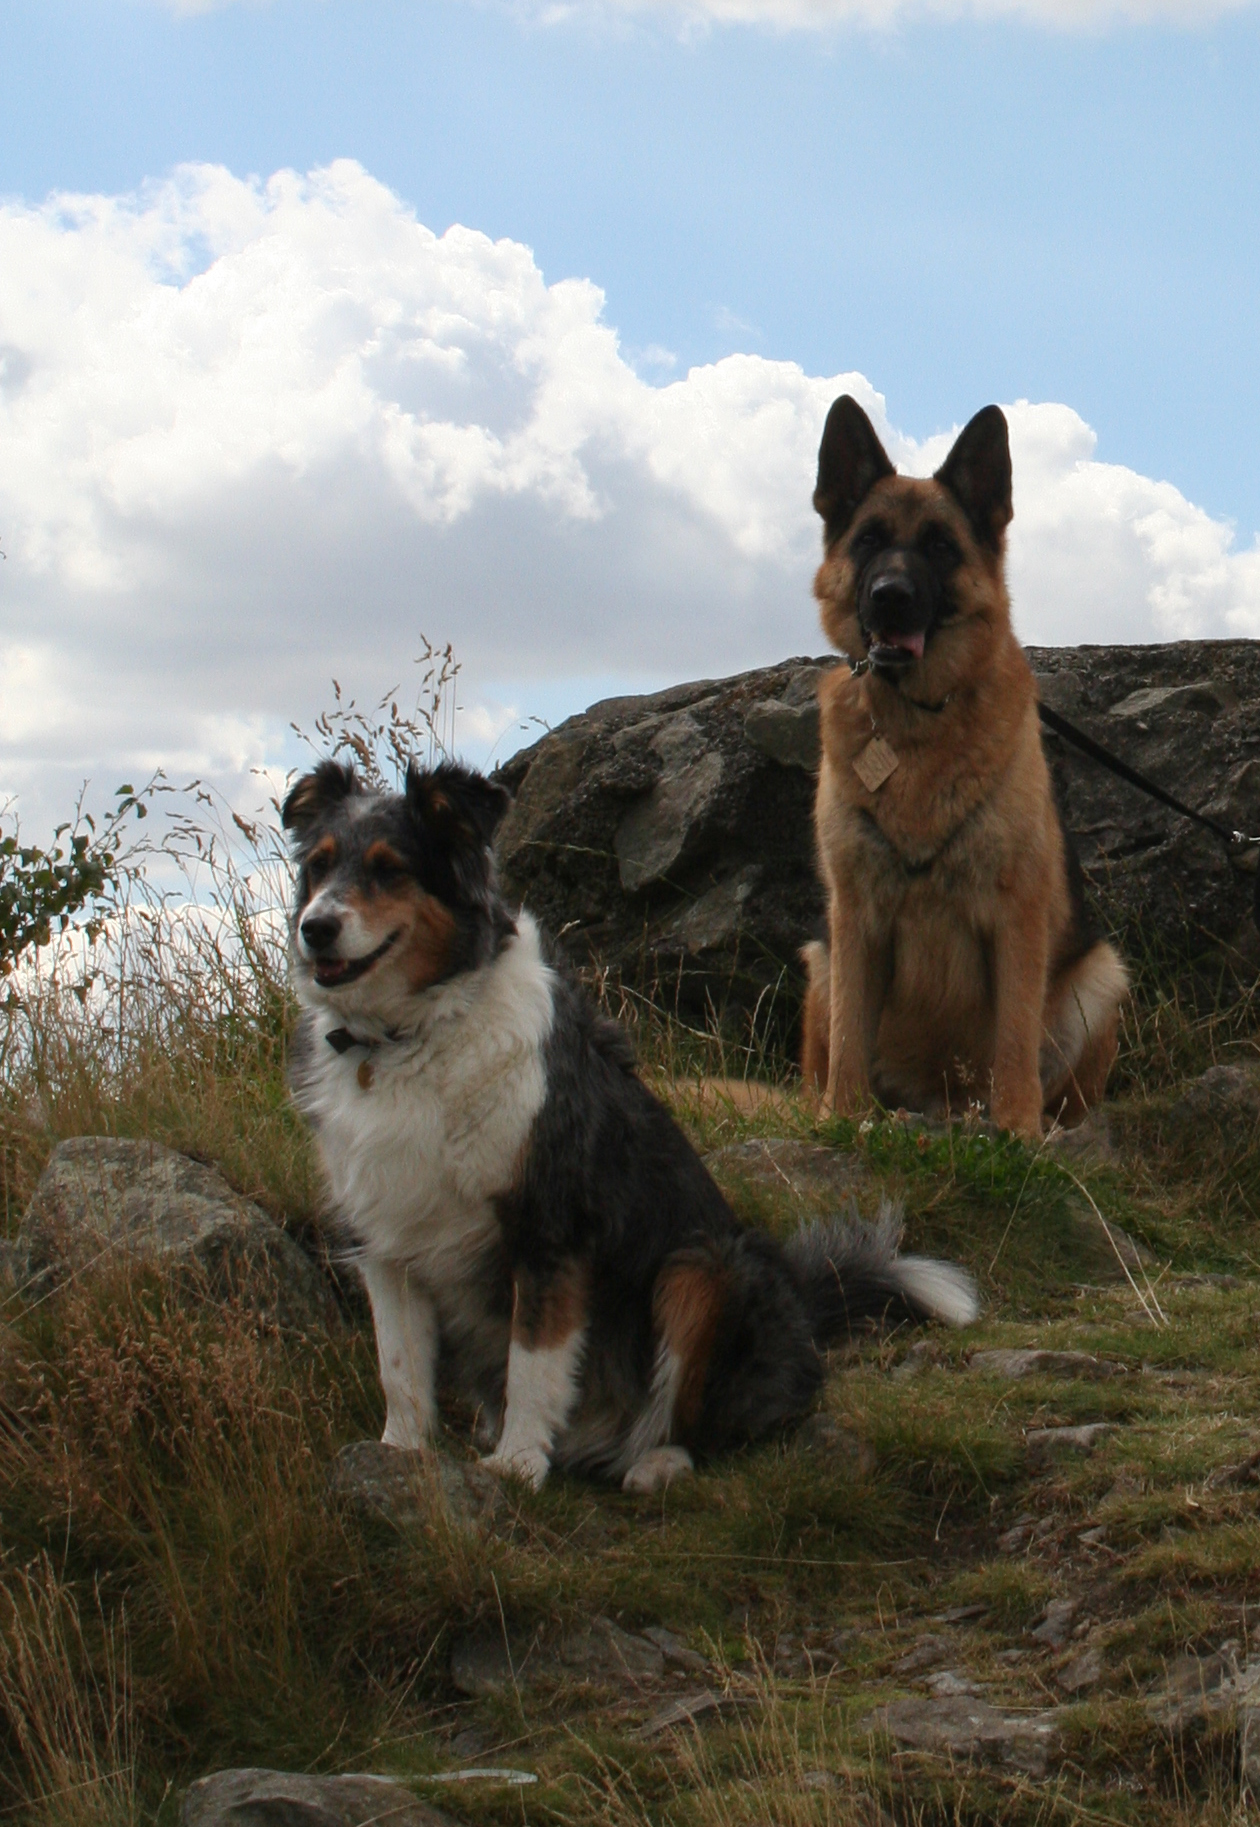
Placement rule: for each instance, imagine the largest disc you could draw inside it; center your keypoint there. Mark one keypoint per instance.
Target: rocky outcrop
(102, 1204)
(669, 837)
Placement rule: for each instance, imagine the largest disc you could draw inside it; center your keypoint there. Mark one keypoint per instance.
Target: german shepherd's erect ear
(851, 460)
(455, 806)
(977, 473)
(316, 792)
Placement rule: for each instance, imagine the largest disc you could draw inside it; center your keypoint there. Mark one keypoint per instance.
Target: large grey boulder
(102, 1203)
(273, 1798)
(670, 836)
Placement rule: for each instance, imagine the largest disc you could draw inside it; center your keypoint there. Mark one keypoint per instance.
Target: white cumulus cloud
(256, 435)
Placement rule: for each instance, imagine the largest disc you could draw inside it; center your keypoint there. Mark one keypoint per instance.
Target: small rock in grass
(483, 1664)
(924, 1354)
(605, 1652)
(822, 1177)
(1089, 1142)
(822, 1435)
(250, 1798)
(840, 1642)
(685, 1709)
(1093, 1538)
(404, 1488)
(924, 1654)
(969, 1728)
(1012, 1540)
(1032, 1363)
(1082, 1671)
(826, 1780)
(1043, 1445)
(1196, 1686)
(1228, 1096)
(959, 1614)
(473, 1741)
(1245, 1472)
(948, 1683)
(1056, 1622)
(675, 1651)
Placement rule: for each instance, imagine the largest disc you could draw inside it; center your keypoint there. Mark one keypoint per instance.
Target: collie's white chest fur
(415, 1158)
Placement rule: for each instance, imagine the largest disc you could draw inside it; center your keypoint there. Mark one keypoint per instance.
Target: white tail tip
(941, 1288)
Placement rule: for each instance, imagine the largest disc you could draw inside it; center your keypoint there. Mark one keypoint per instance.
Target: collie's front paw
(529, 1463)
(658, 1468)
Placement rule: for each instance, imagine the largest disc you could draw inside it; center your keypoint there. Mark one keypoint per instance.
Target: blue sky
(258, 430)
(961, 210)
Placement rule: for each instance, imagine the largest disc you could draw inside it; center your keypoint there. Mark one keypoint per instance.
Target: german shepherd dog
(523, 1210)
(959, 965)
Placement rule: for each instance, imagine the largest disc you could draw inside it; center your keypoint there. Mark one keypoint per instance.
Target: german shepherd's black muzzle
(899, 605)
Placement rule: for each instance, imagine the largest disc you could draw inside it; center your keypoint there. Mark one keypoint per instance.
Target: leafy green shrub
(45, 891)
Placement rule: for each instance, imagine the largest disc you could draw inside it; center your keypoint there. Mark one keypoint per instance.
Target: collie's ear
(456, 805)
(316, 793)
(851, 460)
(977, 473)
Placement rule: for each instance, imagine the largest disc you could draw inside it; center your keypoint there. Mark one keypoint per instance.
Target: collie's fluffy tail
(849, 1272)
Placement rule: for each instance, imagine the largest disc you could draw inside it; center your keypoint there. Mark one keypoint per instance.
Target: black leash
(1235, 841)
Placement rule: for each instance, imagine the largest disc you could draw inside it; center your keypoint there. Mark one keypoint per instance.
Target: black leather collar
(341, 1040)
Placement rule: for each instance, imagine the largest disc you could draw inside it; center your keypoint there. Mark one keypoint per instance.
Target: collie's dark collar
(341, 1040)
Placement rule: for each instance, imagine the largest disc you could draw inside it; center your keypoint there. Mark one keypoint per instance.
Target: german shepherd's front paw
(1018, 1116)
(530, 1464)
(847, 1098)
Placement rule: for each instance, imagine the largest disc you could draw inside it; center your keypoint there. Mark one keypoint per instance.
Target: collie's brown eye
(318, 865)
(383, 864)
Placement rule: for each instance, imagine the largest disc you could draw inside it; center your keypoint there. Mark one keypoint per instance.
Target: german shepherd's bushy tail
(849, 1272)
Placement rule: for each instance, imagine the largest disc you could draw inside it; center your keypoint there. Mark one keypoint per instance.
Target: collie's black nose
(320, 931)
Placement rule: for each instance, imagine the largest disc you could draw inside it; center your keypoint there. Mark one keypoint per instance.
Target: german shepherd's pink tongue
(911, 643)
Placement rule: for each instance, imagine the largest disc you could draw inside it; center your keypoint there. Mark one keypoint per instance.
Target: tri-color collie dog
(520, 1205)
(960, 965)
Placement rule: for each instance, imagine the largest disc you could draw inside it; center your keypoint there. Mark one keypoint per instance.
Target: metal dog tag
(876, 762)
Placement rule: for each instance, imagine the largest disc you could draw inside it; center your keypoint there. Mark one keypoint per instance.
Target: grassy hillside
(177, 1593)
